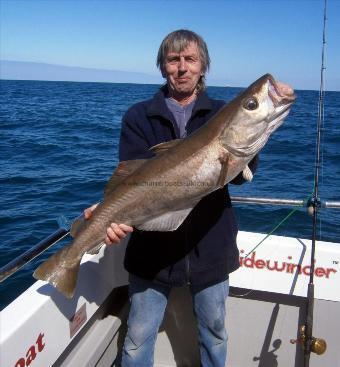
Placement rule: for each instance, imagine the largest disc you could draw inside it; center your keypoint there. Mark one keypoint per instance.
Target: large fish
(158, 194)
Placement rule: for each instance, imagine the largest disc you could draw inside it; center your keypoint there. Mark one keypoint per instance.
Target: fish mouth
(281, 94)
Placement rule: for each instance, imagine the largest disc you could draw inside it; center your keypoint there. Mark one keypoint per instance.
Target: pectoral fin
(247, 174)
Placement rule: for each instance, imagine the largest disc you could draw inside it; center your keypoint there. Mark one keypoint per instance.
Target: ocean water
(59, 143)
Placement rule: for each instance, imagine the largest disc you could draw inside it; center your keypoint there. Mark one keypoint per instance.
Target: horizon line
(139, 73)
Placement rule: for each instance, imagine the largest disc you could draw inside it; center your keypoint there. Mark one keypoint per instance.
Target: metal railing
(287, 202)
(20, 261)
(17, 263)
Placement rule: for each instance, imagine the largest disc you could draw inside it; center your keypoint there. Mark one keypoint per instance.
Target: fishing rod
(20, 261)
(310, 343)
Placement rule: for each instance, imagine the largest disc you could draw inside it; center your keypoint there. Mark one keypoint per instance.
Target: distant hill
(22, 70)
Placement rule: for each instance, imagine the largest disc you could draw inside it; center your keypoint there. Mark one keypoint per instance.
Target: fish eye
(250, 104)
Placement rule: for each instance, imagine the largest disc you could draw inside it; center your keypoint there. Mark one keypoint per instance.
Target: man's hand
(115, 233)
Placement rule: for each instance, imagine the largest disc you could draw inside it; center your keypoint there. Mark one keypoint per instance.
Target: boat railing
(287, 202)
(14, 265)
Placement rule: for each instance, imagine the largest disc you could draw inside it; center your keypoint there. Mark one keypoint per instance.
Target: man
(203, 251)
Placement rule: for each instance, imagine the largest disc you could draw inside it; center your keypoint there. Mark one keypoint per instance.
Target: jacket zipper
(187, 269)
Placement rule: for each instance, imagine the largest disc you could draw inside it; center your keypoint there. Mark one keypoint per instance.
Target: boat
(266, 308)
(283, 284)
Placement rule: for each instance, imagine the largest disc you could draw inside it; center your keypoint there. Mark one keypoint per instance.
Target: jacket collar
(158, 106)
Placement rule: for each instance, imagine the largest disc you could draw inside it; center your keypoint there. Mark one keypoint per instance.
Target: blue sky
(245, 38)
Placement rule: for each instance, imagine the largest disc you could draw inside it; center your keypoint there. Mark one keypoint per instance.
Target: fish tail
(59, 273)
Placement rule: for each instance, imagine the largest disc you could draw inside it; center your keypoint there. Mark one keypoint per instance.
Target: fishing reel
(312, 205)
(317, 345)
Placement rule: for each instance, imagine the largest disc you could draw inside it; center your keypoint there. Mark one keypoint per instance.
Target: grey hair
(178, 41)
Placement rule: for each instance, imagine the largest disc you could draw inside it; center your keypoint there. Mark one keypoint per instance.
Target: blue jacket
(202, 251)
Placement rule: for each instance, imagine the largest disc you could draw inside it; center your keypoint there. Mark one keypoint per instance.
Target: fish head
(256, 114)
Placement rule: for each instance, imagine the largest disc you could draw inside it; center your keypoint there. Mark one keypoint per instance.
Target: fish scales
(159, 193)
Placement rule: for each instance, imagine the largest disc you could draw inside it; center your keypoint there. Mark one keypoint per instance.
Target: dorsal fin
(124, 169)
(224, 171)
(163, 147)
(79, 225)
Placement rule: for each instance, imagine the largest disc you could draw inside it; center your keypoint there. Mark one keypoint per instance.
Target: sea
(59, 144)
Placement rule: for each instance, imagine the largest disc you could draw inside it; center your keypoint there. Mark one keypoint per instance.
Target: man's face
(183, 70)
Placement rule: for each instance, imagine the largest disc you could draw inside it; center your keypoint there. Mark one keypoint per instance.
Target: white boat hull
(265, 310)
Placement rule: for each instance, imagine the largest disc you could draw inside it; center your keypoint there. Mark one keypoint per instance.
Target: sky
(245, 38)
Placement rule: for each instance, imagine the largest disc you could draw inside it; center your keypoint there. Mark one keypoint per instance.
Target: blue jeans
(148, 303)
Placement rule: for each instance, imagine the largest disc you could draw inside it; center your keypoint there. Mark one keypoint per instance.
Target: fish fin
(124, 169)
(95, 249)
(224, 171)
(247, 174)
(78, 225)
(163, 147)
(62, 277)
(169, 221)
